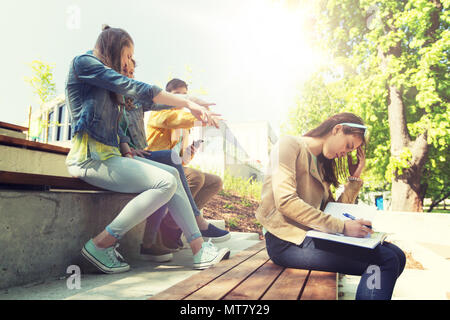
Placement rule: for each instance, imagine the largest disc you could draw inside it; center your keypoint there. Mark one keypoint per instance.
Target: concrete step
(144, 280)
(12, 133)
(18, 159)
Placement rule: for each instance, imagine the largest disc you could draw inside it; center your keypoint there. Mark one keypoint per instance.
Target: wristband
(351, 178)
(125, 154)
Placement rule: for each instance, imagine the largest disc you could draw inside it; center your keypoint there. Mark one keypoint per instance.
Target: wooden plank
(254, 287)
(22, 143)
(54, 182)
(288, 286)
(201, 279)
(321, 286)
(218, 288)
(13, 127)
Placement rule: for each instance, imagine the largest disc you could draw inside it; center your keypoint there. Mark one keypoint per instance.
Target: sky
(250, 57)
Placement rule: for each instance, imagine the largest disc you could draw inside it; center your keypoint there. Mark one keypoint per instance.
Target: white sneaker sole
(223, 253)
(100, 265)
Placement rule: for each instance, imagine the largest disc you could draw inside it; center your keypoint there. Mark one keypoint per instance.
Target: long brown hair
(108, 49)
(335, 169)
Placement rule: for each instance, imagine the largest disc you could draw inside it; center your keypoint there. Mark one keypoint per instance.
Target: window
(51, 126)
(61, 122)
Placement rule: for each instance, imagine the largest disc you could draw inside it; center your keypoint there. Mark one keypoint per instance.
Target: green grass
(232, 222)
(440, 211)
(248, 189)
(228, 206)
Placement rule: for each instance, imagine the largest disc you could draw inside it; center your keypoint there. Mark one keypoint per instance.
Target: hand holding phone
(196, 144)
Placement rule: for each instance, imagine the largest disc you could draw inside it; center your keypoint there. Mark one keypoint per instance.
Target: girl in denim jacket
(95, 91)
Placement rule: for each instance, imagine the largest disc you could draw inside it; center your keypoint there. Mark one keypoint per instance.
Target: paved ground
(425, 236)
(144, 280)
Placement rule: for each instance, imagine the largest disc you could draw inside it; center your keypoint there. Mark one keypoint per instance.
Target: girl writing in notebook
(297, 188)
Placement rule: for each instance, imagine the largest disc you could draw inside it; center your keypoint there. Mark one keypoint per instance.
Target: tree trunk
(407, 191)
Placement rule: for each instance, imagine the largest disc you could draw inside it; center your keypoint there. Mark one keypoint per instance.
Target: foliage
(42, 81)
(43, 86)
(245, 188)
(398, 164)
(416, 35)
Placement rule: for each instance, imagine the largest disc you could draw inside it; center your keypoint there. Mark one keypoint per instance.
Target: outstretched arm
(198, 111)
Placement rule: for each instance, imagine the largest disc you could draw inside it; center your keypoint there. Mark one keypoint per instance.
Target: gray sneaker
(209, 255)
(105, 259)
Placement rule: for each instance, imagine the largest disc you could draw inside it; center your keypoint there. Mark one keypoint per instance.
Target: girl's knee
(169, 182)
(393, 259)
(175, 158)
(401, 256)
(173, 171)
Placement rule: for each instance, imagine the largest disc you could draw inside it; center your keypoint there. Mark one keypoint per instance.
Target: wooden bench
(13, 127)
(31, 181)
(251, 275)
(32, 145)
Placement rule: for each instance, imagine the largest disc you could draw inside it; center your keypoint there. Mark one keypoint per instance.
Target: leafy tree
(42, 81)
(43, 86)
(389, 64)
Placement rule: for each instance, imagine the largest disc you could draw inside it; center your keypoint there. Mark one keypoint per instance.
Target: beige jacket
(294, 192)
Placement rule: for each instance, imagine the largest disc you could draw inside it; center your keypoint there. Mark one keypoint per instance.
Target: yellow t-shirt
(85, 148)
(162, 128)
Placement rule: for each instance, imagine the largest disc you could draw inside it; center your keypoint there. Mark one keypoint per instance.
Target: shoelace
(114, 254)
(210, 248)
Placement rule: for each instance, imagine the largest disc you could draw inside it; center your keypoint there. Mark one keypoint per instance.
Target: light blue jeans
(157, 184)
(170, 158)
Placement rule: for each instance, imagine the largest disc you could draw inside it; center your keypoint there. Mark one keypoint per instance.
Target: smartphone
(197, 143)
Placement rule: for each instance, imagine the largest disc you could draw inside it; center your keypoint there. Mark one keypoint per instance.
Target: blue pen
(348, 215)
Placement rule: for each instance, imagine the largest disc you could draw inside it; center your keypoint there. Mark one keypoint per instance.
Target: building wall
(256, 138)
(222, 152)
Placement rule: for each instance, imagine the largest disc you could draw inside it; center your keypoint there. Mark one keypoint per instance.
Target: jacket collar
(314, 170)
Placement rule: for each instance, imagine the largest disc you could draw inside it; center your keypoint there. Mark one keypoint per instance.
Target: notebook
(336, 209)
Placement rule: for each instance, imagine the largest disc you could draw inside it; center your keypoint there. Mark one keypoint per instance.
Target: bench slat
(254, 287)
(288, 286)
(221, 286)
(321, 286)
(54, 182)
(193, 283)
(13, 127)
(22, 143)
(251, 275)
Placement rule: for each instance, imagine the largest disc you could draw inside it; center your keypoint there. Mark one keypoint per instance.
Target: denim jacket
(88, 88)
(133, 126)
